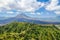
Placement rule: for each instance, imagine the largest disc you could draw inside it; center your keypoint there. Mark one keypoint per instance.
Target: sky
(45, 10)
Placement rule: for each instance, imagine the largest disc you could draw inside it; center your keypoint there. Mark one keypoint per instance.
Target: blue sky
(45, 10)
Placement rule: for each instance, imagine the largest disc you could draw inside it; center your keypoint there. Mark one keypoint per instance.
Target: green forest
(29, 31)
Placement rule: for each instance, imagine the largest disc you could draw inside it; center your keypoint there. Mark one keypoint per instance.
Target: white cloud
(57, 12)
(4, 3)
(38, 13)
(23, 5)
(10, 12)
(53, 6)
(30, 5)
(32, 13)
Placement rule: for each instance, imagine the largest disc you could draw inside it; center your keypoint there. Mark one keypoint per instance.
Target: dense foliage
(29, 31)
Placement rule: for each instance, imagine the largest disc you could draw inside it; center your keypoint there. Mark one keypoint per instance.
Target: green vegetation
(29, 31)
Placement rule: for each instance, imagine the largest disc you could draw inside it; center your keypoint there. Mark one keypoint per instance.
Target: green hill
(29, 31)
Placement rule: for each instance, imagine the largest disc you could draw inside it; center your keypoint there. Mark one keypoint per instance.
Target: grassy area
(29, 31)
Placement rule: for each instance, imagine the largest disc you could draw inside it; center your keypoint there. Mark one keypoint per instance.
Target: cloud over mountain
(22, 5)
(46, 8)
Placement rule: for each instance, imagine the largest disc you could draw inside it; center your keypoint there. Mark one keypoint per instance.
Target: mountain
(24, 18)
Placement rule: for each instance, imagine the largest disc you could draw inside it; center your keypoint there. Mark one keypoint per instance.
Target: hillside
(29, 31)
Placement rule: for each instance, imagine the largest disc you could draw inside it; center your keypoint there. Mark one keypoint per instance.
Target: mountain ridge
(25, 18)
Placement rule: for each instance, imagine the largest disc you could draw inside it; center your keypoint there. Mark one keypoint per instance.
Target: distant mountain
(24, 18)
